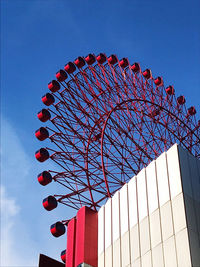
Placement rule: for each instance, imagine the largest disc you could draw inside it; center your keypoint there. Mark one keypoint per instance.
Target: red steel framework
(107, 120)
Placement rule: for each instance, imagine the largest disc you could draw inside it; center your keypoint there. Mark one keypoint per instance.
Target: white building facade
(154, 220)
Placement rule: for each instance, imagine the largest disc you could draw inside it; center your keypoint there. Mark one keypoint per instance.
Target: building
(45, 261)
(154, 220)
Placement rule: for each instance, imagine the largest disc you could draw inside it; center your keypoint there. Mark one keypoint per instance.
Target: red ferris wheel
(106, 120)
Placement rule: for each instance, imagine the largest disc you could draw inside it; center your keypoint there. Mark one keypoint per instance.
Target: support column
(86, 253)
(71, 238)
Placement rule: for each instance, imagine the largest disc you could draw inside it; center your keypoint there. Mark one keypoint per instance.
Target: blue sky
(40, 37)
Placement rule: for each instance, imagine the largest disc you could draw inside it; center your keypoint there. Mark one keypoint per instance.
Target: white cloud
(11, 229)
(9, 210)
(14, 159)
(8, 205)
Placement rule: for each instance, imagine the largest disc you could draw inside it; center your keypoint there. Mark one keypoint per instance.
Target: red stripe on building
(71, 238)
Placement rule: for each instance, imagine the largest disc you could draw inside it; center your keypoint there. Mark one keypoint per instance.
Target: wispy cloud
(14, 159)
(9, 210)
(11, 230)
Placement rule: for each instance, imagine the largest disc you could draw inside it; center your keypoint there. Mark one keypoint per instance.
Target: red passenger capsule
(57, 229)
(41, 134)
(70, 67)
(147, 74)
(135, 67)
(181, 100)
(42, 154)
(61, 75)
(170, 90)
(123, 62)
(48, 99)
(44, 115)
(79, 62)
(112, 59)
(54, 86)
(158, 81)
(191, 111)
(101, 58)
(44, 178)
(63, 255)
(90, 59)
(50, 203)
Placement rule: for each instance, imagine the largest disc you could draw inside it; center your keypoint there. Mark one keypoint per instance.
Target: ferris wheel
(105, 119)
